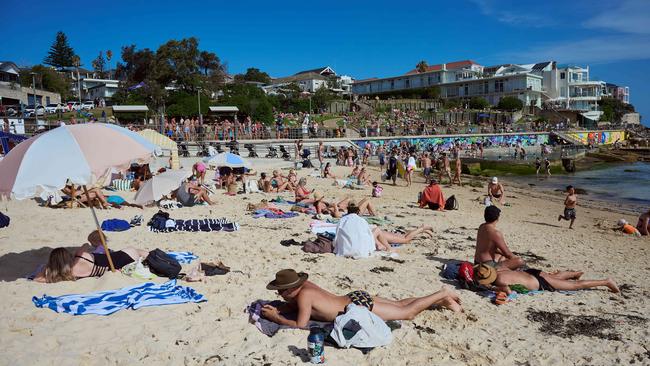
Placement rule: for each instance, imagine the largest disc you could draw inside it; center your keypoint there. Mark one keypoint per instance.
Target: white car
(88, 105)
(55, 108)
(31, 111)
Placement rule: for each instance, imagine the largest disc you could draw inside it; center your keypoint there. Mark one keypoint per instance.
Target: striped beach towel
(196, 225)
(183, 257)
(109, 302)
(122, 184)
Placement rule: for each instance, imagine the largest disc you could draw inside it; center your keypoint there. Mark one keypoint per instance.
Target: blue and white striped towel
(183, 257)
(109, 302)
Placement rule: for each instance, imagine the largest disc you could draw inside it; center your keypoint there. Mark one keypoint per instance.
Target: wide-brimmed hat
(318, 196)
(484, 274)
(287, 278)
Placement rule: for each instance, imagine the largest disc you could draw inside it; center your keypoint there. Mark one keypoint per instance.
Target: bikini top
(96, 271)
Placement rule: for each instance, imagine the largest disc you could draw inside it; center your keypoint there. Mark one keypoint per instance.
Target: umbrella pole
(99, 229)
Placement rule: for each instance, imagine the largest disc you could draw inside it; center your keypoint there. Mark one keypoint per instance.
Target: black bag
(161, 264)
(451, 203)
(158, 220)
(4, 220)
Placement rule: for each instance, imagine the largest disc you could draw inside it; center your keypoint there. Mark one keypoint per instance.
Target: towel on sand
(183, 257)
(273, 213)
(111, 301)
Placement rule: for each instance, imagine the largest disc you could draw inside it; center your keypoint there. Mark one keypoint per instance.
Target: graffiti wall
(447, 141)
(598, 137)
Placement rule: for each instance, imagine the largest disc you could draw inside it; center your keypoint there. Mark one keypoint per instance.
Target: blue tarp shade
(484, 115)
(5, 138)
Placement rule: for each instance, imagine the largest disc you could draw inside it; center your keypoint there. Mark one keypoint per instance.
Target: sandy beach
(591, 327)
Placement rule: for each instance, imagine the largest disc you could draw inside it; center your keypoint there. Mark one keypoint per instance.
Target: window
(430, 80)
(466, 91)
(407, 83)
(485, 88)
(562, 75)
(392, 84)
(498, 86)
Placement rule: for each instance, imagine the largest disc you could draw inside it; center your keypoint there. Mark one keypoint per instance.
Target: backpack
(162, 264)
(159, 220)
(4, 220)
(465, 276)
(451, 203)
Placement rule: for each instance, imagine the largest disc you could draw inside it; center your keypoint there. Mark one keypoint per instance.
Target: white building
(98, 88)
(562, 87)
(311, 80)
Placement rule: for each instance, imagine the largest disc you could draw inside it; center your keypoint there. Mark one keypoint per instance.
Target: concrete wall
(17, 92)
(525, 139)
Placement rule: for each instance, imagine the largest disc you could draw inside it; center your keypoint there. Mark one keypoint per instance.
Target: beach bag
(354, 237)
(252, 186)
(320, 245)
(465, 276)
(360, 328)
(451, 269)
(4, 220)
(158, 220)
(162, 264)
(451, 203)
(115, 225)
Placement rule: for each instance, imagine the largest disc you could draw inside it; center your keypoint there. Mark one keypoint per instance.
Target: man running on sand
(491, 247)
(312, 302)
(570, 203)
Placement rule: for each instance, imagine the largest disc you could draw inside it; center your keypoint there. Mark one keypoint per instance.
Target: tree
(212, 70)
(510, 104)
(176, 62)
(109, 57)
(99, 64)
(253, 74)
(250, 100)
(479, 103)
(322, 98)
(422, 66)
(433, 92)
(60, 54)
(47, 78)
(613, 109)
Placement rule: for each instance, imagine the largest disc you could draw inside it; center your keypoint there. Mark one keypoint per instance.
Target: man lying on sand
(312, 302)
(491, 247)
(644, 224)
(535, 279)
(337, 210)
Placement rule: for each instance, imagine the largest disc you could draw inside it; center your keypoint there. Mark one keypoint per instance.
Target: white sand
(217, 331)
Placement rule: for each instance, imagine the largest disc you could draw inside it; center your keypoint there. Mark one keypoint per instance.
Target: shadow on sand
(543, 224)
(20, 265)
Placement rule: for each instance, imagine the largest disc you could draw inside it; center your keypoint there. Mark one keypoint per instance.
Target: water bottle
(316, 345)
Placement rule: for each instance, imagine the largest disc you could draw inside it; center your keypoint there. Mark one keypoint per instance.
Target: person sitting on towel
(189, 195)
(310, 301)
(62, 265)
(535, 279)
(302, 192)
(432, 197)
(491, 247)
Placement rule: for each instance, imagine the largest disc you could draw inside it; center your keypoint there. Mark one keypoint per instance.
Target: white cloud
(593, 50)
(515, 17)
(629, 16)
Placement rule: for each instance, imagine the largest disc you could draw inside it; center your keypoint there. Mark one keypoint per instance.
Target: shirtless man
(534, 279)
(495, 190)
(319, 153)
(312, 302)
(444, 168)
(459, 168)
(644, 224)
(491, 247)
(426, 166)
(570, 203)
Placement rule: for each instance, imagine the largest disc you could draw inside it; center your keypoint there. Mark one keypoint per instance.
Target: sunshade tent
(164, 142)
(227, 159)
(82, 154)
(160, 185)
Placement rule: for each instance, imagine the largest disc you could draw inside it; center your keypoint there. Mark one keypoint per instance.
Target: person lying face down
(310, 301)
(534, 279)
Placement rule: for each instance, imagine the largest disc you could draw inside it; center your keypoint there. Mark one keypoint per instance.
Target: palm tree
(109, 56)
(422, 66)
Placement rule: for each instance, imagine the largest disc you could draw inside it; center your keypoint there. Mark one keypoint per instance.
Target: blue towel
(115, 225)
(272, 215)
(109, 302)
(183, 257)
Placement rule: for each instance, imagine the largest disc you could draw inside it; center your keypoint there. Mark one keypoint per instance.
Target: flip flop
(501, 298)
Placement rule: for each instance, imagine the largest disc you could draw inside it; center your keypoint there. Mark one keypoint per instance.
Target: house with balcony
(311, 80)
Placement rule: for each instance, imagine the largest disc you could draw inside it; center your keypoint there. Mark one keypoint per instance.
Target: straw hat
(318, 196)
(287, 278)
(484, 274)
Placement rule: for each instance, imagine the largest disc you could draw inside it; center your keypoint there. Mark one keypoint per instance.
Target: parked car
(88, 105)
(73, 106)
(32, 111)
(55, 108)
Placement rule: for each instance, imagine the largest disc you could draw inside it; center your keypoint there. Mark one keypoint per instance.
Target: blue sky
(358, 38)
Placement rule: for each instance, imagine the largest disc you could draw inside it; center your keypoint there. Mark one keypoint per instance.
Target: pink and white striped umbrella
(80, 153)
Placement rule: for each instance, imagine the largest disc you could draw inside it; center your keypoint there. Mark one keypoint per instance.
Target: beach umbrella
(227, 159)
(160, 185)
(82, 154)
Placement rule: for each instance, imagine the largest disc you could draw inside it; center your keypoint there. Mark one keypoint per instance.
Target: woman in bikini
(64, 266)
(327, 172)
(302, 193)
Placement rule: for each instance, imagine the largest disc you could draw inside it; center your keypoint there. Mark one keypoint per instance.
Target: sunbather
(264, 183)
(337, 210)
(279, 184)
(535, 279)
(491, 247)
(81, 196)
(117, 202)
(327, 172)
(302, 192)
(312, 302)
(64, 266)
(364, 177)
(384, 239)
(189, 195)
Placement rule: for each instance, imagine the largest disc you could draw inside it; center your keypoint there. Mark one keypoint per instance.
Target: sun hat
(622, 222)
(318, 196)
(484, 274)
(287, 278)
(495, 180)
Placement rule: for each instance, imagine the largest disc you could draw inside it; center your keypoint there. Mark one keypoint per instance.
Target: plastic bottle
(316, 345)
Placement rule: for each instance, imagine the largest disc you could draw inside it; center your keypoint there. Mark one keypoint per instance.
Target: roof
(449, 66)
(319, 71)
(541, 65)
(6, 66)
(299, 77)
(224, 108)
(130, 108)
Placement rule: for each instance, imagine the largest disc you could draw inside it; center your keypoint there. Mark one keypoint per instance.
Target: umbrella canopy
(227, 159)
(158, 139)
(79, 153)
(160, 185)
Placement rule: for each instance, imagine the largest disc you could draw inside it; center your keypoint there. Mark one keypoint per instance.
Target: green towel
(519, 288)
